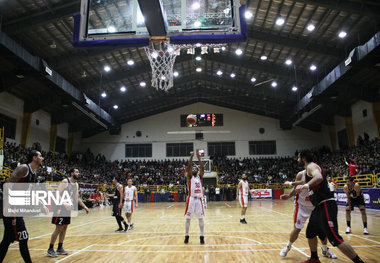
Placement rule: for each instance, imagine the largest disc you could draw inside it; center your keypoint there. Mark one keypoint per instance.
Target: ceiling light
(274, 84)
(280, 21)
(198, 58)
(111, 29)
(163, 78)
(248, 15)
(198, 44)
(115, 107)
(223, 48)
(107, 68)
(310, 27)
(342, 34)
(154, 54)
(142, 84)
(253, 79)
(263, 57)
(288, 62)
(313, 67)
(53, 45)
(233, 75)
(196, 5)
(130, 62)
(238, 52)
(123, 89)
(104, 94)
(175, 74)
(199, 69)
(197, 24)
(219, 73)
(294, 88)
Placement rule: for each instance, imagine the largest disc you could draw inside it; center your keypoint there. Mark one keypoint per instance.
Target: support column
(376, 117)
(350, 131)
(53, 137)
(70, 143)
(333, 140)
(25, 129)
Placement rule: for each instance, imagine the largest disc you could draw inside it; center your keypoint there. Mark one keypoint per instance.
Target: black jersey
(116, 197)
(353, 194)
(319, 192)
(30, 176)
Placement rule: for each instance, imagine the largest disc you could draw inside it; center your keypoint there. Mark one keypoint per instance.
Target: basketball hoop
(162, 57)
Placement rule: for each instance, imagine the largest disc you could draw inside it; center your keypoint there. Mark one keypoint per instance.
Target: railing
(364, 180)
(5, 172)
(1, 138)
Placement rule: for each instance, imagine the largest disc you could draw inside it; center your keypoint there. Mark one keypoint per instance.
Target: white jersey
(331, 186)
(244, 187)
(303, 197)
(129, 193)
(196, 187)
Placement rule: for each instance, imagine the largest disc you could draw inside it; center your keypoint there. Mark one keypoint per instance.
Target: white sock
(242, 217)
(324, 247)
(289, 244)
(202, 226)
(187, 226)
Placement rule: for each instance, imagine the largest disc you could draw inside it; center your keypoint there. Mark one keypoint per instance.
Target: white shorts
(194, 205)
(301, 214)
(128, 207)
(243, 200)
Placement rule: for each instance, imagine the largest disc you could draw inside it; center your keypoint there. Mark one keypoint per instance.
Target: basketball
(191, 119)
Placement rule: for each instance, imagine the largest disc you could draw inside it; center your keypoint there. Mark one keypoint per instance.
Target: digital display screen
(204, 120)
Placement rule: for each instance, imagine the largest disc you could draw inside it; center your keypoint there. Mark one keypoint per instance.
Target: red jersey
(353, 168)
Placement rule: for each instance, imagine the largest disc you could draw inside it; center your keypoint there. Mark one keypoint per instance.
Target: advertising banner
(371, 197)
(261, 193)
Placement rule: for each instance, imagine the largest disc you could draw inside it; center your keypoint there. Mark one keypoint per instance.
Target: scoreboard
(204, 120)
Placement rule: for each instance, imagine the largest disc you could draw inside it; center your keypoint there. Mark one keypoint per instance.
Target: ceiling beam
(346, 6)
(48, 14)
(294, 43)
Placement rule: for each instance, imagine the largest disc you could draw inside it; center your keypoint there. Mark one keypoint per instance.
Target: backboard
(131, 22)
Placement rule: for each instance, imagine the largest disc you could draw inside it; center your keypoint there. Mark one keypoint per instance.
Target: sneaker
(126, 229)
(348, 230)
(312, 260)
(51, 253)
(243, 221)
(119, 230)
(285, 251)
(328, 253)
(365, 231)
(130, 226)
(61, 251)
(202, 238)
(186, 240)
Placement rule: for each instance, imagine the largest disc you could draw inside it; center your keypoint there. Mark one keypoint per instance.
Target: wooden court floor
(159, 233)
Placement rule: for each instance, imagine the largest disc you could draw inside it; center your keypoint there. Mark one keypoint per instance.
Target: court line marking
(213, 223)
(227, 204)
(275, 212)
(154, 237)
(169, 206)
(183, 245)
(300, 251)
(73, 254)
(361, 237)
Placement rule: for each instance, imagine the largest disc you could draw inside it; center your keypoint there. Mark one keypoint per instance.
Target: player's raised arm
(294, 184)
(190, 166)
(314, 172)
(201, 166)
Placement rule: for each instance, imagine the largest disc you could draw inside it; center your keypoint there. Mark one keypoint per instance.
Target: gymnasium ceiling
(36, 24)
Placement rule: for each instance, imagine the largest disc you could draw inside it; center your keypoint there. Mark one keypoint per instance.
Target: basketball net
(162, 57)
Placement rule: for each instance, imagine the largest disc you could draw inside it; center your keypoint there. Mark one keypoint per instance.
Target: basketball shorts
(301, 214)
(116, 211)
(323, 222)
(128, 207)
(243, 200)
(61, 220)
(194, 205)
(14, 229)
(358, 201)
